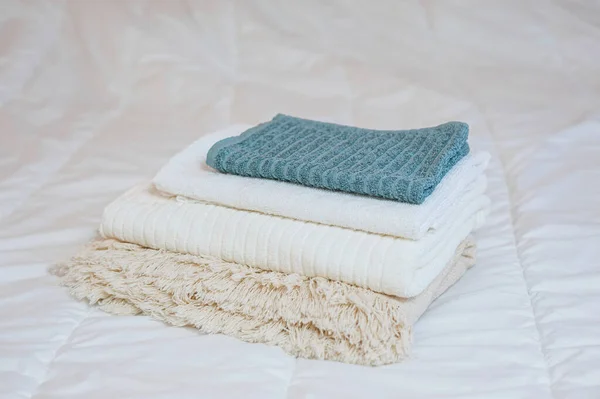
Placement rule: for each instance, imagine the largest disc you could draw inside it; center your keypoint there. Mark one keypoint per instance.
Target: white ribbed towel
(187, 174)
(385, 264)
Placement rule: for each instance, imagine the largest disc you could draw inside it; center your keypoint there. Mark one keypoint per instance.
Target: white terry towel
(386, 264)
(187, 174)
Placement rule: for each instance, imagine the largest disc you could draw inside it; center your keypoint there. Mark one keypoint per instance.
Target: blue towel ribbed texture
(403, 165)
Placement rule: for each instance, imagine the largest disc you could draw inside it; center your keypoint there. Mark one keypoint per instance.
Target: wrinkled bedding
(96, 96)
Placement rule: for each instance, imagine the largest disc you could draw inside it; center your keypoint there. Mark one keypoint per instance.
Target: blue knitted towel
(403, 165)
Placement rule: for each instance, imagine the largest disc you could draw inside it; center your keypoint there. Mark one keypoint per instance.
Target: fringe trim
(309, 317)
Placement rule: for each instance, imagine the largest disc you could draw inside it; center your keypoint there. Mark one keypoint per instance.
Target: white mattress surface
(96, 95)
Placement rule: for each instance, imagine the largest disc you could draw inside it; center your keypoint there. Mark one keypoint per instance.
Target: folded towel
(188, 175)
(385, 264)
(307, 317)
(404, 165)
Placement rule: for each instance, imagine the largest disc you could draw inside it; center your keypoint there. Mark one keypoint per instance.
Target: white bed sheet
(96, 96)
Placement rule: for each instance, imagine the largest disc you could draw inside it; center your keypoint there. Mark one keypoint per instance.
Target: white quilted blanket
(96, 96)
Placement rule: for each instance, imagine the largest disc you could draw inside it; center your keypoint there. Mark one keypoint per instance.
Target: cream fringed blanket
(310, 317)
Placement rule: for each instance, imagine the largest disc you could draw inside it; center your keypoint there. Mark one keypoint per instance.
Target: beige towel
(310, 317)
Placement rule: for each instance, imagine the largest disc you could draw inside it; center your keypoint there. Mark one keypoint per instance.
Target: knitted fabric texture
(403, 165)
(312, 318)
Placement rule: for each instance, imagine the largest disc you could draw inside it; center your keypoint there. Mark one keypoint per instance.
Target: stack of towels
(328, 241)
